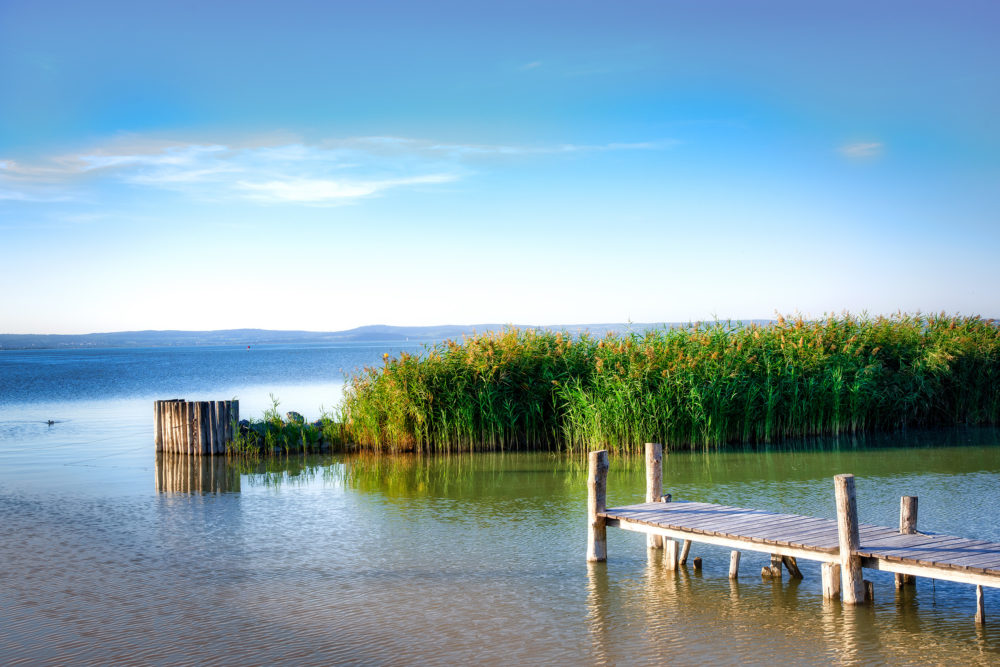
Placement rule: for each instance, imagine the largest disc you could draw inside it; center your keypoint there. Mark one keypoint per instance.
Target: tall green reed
(699, 385)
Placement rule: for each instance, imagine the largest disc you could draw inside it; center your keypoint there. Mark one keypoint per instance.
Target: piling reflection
(597, 612)
(180, 473)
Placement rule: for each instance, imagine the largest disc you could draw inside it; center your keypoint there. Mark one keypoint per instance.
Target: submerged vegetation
(696, 386)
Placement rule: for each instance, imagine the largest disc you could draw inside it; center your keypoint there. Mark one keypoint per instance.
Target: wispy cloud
(862, 149)
(326, 173)
(317, 191)
(532, 65)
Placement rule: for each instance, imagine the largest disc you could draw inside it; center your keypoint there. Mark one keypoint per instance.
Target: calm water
(112, 555)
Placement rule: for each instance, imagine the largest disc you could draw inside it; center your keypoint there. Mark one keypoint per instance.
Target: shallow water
(114, 555)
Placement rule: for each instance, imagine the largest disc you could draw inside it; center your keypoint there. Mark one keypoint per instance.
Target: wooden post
(189, 416)
(212, 426)
(831, 580)
(221, 408)
(980, 607)
(685, 549)
(853, 586)
(168, 426)
(792, 566)
(654, 485)
(907, 526)
(220, 445)
(697, 563)
(734, 564)
(204, 433)
(157, 436)
(179, 428)
(233, 418)
(176, 423)
(175, 427)
(772, 571)
(597, 498)
(869, 591)
(670, 553)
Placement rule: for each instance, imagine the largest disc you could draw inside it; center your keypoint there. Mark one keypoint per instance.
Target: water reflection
(179, 473)
(597, 608)
(449, 559)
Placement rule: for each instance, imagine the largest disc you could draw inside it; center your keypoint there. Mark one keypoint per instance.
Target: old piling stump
(198, 428)
(597, 498)
(654, 485)
(907, 526)
(853, 587)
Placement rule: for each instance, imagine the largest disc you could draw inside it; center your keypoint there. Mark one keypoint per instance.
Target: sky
(325, 165)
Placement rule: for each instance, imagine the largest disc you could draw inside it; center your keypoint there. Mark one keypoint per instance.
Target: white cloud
(532, 65)
(317, 191)
(326, 173)
(862, 149)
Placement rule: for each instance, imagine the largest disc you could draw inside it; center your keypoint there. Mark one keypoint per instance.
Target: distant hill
(373, 333)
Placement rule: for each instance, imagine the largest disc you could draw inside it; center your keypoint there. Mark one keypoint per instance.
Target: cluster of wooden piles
(202, 428)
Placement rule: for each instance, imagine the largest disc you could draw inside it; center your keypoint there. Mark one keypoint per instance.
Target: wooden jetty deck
(843, 546)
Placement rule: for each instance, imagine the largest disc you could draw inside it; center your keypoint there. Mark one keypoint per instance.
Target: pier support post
(734, 564)
(980, 607)
(772, 571)
(907, 526)
(670, 553)
(792, 566)
(831, 580)
(654, 485)
(685, 550)
(853, 586)
(597, 498)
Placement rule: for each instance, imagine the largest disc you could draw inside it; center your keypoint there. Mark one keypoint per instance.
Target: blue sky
(320, 165)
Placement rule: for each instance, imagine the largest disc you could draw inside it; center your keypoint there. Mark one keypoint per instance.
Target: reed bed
(701, 385)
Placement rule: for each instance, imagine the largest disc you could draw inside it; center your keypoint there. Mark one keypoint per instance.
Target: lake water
(111, 554)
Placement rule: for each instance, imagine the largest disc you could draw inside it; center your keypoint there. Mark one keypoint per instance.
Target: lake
(112, 554)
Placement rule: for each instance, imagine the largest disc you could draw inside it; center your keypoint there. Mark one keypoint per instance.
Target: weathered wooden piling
(830, 573)
(597, 499)
(772, 571)
(792, 566)
(670, 553)
(654, 485)
(734, 564)
(907, 526)
(200, 428)
(685, 550)
(980, 607)
(853, 586)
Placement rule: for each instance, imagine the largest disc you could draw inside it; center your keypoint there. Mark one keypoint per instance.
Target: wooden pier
(843, 546)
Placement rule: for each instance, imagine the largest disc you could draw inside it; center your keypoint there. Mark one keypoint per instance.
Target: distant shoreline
(377, 333)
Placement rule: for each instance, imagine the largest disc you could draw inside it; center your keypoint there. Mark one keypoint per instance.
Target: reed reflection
(181, 473)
